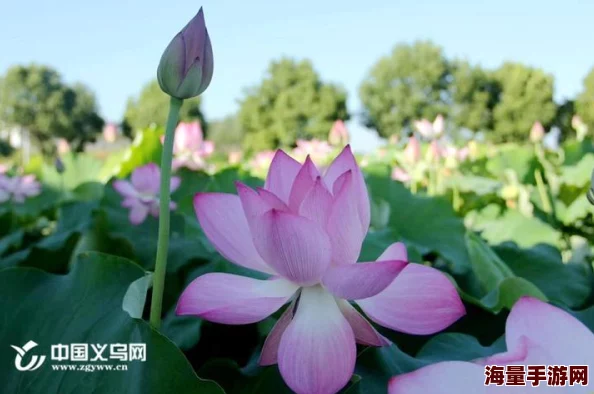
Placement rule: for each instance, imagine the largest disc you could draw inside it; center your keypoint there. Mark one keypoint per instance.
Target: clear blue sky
(114, 45)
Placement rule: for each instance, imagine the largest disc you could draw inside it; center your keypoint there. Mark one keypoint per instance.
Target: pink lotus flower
(435, 151)
(110, 132)
(189, 148)
(63, 146)
(412, 152)
(141, 194)
(401, 175)
(536, 334)
(339, 134)
(459, 155)
(234, 157)
(537, 132)
(306, 229)
(430, 130)
(316, 149)
(262, 160)
(18, 188)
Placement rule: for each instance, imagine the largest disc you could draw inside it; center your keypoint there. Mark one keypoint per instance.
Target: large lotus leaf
(85, 306)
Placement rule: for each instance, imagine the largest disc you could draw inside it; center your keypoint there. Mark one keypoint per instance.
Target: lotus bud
(59, 165)
(186, 67)
(537, 132)
(412, 152)
(339, 135)
(580, 127)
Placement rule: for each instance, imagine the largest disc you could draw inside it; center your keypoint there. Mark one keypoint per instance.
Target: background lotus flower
(581, 129)
(537, 132)
(339, 134)
(186, 67)
(306, 229)
(412, 152)
(430, 130)
(435, 151)
(316, 149)
(234, 157)
(536, 334)
(18, 188)
(62, 146)
(110, 132)
(401, 175)
(141, 194)
(189, 148)
(261, 161)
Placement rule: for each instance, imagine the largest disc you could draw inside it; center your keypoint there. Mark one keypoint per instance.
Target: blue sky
(114, 45)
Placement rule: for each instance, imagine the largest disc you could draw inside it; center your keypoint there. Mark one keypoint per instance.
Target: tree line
(413, 81)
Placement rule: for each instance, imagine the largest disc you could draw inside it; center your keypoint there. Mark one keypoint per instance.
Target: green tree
(474, 93)
(410, 83)
(291, 103)
(584, 103)
(35, 99)
(226, 133)
(151, 106)
(526, 97)
(563, 115)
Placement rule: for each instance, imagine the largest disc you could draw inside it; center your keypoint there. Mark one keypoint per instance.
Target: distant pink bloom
(141, 194)
(576, 122)
(580, 127)
(306, 229)
(234, 157)
(537, 132)
(412, 152)
(316, 149)
(401, 175)
(18, 188)
(339, 134)
(435, 151)
(459, 155)
(189, 148)
(430, 130)
(3, 168)
(536, 334)
(463, 153)
(63, 146)
(110, 132)
(262, 160)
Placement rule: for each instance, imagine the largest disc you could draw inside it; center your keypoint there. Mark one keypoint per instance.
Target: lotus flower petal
(317, 350)
(233, 299)
(421, 300)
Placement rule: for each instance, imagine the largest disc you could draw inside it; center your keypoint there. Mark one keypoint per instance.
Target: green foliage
(410, 83)
(91, 297)
(584, 103)
(150, 108)
(35, 99)
(226, 133)
(291, 103)
(474, 93)
(526, 97)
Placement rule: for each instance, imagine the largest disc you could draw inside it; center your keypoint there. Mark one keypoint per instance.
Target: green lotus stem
(542, 192)
(457, 201)
(164, 200)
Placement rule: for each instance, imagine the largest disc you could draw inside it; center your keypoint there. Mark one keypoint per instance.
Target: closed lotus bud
(412, 152)
(537, 132)
(186, 67)
(59, 165)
